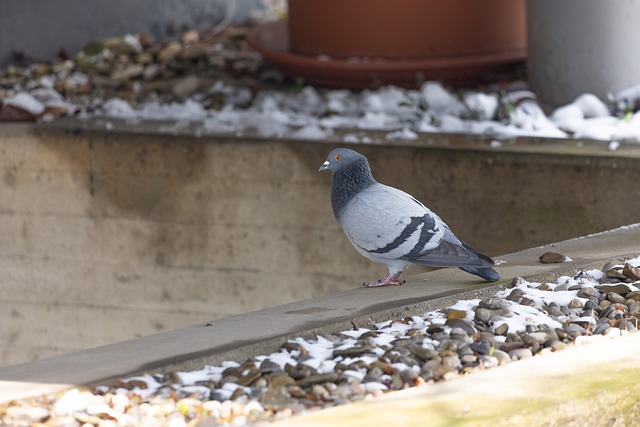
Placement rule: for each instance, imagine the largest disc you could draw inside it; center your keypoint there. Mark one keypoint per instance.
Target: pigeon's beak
(324, 166)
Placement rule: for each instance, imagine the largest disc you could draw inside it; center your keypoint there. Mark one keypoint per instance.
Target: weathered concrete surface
(264, 331)
(592, 385)
(109, 236)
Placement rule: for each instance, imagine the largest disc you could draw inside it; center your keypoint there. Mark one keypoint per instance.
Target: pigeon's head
(340, 158)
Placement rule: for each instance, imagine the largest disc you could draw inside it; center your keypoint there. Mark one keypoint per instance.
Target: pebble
(502, 329)
(494, 304)
(587, 292)
(520, 353)
(553, 257)
(575, 303)
(503, 357)
(309, 375)
(482, 315)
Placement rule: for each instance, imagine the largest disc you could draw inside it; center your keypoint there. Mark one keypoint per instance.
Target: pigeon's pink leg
(391, 279)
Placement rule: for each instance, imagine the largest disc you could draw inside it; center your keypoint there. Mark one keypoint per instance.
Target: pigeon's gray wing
(451, 252)
(448, 254)
(385, 223)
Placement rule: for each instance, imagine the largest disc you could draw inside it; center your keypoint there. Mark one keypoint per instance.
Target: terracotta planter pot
(367, 43)
(405, 28)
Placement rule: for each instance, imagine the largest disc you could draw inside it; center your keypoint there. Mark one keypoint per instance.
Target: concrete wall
(110, 236)
(43, 27)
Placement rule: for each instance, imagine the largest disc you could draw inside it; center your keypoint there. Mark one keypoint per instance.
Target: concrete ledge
(115, 234)
(265, 330)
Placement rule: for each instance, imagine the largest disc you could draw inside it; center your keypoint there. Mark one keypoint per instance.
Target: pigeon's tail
(487, 273)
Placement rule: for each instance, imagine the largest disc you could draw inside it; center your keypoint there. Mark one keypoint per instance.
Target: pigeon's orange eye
(338, 157)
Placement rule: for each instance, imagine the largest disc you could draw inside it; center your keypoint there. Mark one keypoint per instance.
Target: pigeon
(391, 227)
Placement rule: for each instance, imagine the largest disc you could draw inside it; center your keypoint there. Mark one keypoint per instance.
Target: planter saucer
(271, 39)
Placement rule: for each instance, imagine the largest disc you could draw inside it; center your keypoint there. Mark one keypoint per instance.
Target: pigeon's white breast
(377, 216)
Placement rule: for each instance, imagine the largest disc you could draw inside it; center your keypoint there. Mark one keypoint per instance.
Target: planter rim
(271, 39)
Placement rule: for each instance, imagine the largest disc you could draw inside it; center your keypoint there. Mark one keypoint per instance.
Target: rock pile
(522, 320)
(133, 68)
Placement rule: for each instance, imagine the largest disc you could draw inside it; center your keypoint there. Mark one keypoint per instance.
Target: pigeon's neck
(349, 181)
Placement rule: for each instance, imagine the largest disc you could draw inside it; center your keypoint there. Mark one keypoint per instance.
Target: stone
(435, 328)
(12, 113)
(631, 272)
(615, 273)
(482, 314)
(451, 361)
(408, 375)
(317, 379)
(319, 392)
(587, 292)
(352, 352)
(128, 72)
(373, 375)
(575, 303)
(615, 298)
(494, 304)
(556, 345)
(627, 325)
(423, 353)
(539, 337)
(186, 86)
(456, 314)
(458, 333)
(465, 350)
(502, 329)
(481, 347)
(513, 337)
(592, 304)
(553, 258)
(554, 311)
(116, 45)
(276, 398)
(278, 380)
(573, 330)
(526, 301)
(488, 361)
(469, 359)
(267, 366)
(516, 281)
(502, 356)
(463, 324)
(634, 308)
(520, 353)
(614, 311)
(169, 52)
(515, 294)
(196, 50)
(620, 289)
(249, 378)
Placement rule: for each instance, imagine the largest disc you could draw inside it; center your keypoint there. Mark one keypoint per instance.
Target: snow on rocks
(525, 319)
(403, 113)
(219, 85)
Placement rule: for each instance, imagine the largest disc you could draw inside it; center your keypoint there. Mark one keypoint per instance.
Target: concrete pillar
(578, 46)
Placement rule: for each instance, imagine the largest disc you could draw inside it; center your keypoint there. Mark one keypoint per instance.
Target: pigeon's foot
(392, 279)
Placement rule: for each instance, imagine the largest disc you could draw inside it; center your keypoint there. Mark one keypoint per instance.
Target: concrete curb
(265, 330)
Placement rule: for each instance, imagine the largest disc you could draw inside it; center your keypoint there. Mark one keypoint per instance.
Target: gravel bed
(523, 320)
(214, 82)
